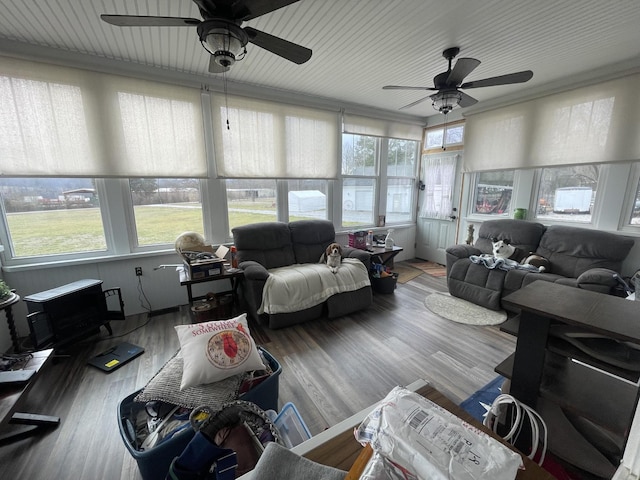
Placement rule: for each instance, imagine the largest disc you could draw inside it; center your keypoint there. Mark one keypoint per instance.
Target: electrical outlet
(138, 271)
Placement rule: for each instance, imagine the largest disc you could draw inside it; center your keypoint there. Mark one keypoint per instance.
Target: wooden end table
(6, 307)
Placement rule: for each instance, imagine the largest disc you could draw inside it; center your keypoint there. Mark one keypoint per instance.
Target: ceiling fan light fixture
(225, 41)
(444, 102)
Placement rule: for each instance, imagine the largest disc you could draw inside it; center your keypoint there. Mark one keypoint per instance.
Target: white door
(438, 201)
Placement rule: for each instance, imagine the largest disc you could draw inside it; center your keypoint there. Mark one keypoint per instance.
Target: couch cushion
(301, 286)
(475, 283)
(521, 233)
(268, 243)
(516, 279)
(574, 250)
(310, 238)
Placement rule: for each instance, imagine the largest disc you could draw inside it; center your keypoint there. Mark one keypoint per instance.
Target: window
(164, 208)
(307, 199)
(635, 209)
(439, 174)
(401, 172)
(440, 138)
(251, 201)
(493, 191)
(51, 216)
(372, 168)
(567, 193)
(359, 169)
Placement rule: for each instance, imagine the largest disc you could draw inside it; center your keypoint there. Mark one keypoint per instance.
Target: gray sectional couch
(263, 247)
(579, 257)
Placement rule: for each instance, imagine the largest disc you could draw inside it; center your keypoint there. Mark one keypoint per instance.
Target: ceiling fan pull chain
(444, 133)
(226, 98)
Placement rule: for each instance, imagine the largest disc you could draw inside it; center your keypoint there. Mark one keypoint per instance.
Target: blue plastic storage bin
(154, 463)
(291, 426)
(265, 394)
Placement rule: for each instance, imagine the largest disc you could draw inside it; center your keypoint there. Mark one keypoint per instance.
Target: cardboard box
(204, 267)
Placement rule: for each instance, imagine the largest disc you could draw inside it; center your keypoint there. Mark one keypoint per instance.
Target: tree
(142, 189)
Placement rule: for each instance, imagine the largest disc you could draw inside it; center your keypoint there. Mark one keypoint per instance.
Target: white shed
(307, 201)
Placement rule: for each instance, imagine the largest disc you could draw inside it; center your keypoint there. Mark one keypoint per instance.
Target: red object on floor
(555, 469)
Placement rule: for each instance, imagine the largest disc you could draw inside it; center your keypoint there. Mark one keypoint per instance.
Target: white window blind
(375, 127)
(593, 124)
(270, 140)
(59, 121)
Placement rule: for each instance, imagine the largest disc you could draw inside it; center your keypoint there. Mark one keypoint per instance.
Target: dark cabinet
(70, 312)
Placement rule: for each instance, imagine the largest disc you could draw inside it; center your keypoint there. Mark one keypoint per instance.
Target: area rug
(405, 272)
(478, 404)
(461, 311)
(430, 268)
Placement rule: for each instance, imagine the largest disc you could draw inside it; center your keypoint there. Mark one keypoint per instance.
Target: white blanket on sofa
(297, 287)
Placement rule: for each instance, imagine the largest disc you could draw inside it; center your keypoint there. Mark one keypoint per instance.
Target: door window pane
(164, 208)
(307, 199)
(567, 193)
(251, 201)
(49, 216)
(493, 192)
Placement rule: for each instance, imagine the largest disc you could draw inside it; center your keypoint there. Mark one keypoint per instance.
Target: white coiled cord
(520, 414)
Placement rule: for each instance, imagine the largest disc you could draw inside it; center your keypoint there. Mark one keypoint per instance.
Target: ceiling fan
(447, 84)
(220, 30)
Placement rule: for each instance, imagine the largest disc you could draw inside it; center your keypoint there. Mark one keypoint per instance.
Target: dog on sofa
(333, 256)
(503, 249)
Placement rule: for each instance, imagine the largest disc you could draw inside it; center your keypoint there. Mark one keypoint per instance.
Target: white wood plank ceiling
(358, 45)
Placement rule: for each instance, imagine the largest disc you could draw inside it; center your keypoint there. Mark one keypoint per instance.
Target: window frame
(413, 180)
(473, 191)
(380, 180)
(445, 128)
(595, 208)
(8, 257)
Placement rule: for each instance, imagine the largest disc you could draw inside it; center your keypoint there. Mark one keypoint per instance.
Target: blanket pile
(507, 264)
(297, 287)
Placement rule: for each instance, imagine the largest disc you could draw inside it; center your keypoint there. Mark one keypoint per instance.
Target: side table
(234, 277)
(384, 256)
(6, 306)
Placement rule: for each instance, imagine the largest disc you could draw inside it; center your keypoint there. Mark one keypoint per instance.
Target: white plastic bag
(432, 443)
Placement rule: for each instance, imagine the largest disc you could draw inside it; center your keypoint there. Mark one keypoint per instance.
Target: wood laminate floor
(330, 370)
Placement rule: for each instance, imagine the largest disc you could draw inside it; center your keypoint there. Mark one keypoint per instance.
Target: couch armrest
(598, 279)
(459, 252)
(362, 255)
(463, 251)
(253, 270)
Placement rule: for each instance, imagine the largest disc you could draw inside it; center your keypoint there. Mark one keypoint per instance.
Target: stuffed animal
(334, 256)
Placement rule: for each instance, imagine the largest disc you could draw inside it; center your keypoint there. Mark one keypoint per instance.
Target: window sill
(35, 265)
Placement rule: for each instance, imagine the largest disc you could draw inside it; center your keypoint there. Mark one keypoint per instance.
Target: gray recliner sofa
(264, 246)
(579, 257)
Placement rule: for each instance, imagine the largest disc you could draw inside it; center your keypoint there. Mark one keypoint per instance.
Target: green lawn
(64, 231)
